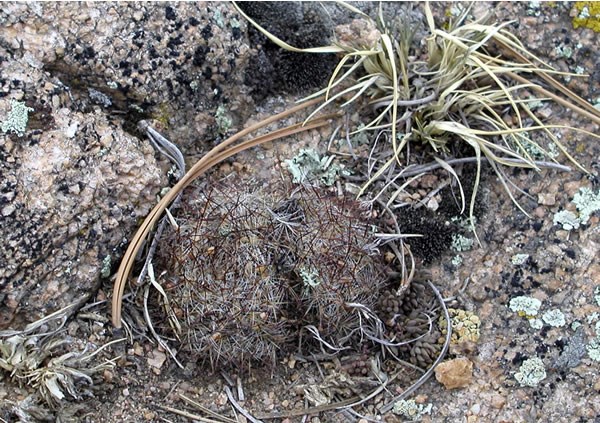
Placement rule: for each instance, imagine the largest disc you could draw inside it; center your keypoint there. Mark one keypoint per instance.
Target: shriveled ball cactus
(336, 261)
(226, 291)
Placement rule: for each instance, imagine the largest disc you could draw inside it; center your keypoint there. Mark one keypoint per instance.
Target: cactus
(250, 268)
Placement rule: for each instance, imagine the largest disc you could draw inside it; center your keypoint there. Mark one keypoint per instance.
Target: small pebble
(456, 373)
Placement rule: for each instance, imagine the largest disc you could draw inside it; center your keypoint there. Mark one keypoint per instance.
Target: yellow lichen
(588, 15)
(162, 114)
(465, 326)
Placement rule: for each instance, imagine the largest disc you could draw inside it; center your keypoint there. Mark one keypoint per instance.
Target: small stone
(475, 409)
(8, 210)
(138, 350)
(433, 204)
(456, 373)
(497, 401)
(421, 399)
(547, 199)
(157, 359)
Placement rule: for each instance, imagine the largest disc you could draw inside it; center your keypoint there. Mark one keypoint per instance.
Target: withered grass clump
(250, 269)
(470, 86)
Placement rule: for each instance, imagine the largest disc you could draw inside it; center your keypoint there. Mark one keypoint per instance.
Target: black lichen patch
(436, 233)
(275, 70)
(451, 204)
(170, 13)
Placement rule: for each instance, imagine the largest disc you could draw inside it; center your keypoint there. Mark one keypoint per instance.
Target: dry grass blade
(588, 111)
(555, 84)
(238, 407)
(206, 410)
(215, 156)
(308, 411)
(187, 414)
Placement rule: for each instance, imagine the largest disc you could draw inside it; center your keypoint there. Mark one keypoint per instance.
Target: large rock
(73, 187)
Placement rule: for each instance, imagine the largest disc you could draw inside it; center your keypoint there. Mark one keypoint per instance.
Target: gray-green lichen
(567, 219)
(593, 349)
(461, 243)
(106, 266)
(531, 372)
(525, 306)
(587, 202)
(597, 294)
(519, 259)
(309, 166)
(526, 145)
(222, 119)
(218, 17)
(16, 120)
(536, 323)
(457, 260)
(411, 410)
(310, 277)
(554, 318)
(564, 51)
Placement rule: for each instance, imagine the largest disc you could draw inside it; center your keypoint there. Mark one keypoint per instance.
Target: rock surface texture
(76, 178)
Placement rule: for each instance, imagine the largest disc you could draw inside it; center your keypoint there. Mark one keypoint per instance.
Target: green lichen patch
(411, 410)
(457, 260)
(531, 372)
(16, 120)
(106, 266)
(461, 243)
(309, 166)
(536, 323)
(587, 202)
(223, 120)
(593, 349)
(567, 219)
(554, 318)
(525, 306)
